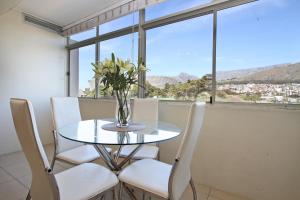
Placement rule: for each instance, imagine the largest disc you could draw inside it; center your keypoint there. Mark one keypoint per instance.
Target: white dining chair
(82, 182)
(164, 180)
(65, 110)
(144, 110)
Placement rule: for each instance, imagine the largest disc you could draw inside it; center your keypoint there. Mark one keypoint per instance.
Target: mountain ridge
(160, 81)
(281, 73)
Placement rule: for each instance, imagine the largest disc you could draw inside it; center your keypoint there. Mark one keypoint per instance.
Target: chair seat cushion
(146, 151)
(149, 175)
(84, 181)
(80, 154)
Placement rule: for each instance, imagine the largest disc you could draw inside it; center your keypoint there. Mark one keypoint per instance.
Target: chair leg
(53, 162)
(130, 193)
(193, 189)
(115, 194)
(28, 197)
(120, 191)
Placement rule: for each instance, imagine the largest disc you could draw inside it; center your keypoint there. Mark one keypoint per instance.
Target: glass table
(91, 132)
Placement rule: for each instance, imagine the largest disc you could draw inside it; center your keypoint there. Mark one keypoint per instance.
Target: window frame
(144, 25)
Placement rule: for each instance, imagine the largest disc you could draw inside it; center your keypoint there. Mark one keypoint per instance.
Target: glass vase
(123, 111)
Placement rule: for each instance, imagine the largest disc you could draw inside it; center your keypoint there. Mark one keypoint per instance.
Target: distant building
(92, 84)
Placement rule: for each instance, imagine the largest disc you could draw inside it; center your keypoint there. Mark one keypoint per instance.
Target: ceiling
(59, 12)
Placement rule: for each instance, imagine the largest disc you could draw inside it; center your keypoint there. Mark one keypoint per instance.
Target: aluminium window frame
(142, 27)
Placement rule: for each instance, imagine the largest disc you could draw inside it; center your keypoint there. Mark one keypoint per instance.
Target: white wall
(32, 65)
(248, 150)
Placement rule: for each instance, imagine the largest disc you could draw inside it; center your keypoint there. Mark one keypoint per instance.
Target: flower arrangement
(119, 75)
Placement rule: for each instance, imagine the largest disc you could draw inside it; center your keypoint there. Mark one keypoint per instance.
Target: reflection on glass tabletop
(91, 131)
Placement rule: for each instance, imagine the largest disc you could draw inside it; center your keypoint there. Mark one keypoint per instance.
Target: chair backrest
(145, 110)
(181, 173)
(65, 110)
(43, 184)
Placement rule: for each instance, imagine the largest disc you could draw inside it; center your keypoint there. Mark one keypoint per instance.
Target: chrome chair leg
(28, 197)
(193, 189)
(130, 193)
(52, 162)
(120, 191)
(115, 194)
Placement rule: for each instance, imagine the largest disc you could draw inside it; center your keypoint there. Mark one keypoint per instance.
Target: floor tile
(12, 159)
(4, 177)
(12, 190)
(221, 195)
(18, 170)
(15, 179)
(212, 198)
(58, 168)
(202, 192)
(64, 164)
(25, 180)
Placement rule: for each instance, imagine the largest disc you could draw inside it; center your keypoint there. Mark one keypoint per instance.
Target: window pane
(258, 53)
(171, 6)
(119, 23)
(86, 74)
(180, 58)
(83, 36)
(124, 47)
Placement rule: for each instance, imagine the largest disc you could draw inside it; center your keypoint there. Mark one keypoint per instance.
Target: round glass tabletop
(91, 132)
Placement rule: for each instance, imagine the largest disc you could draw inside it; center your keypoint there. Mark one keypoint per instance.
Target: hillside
(283, 73)
(160, 81)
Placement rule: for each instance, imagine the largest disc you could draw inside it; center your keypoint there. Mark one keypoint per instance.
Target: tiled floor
(15, 178)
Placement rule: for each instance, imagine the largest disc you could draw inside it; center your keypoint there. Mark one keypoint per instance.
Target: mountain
(283, 73)
(160, 81)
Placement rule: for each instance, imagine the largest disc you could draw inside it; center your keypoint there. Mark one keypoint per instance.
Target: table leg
(110, 161)
(118, 153)
(130, 156)
(106, 157)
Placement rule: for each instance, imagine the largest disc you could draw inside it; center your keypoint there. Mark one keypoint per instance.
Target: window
(83, 35)
(258, 48)
(171, 6)
(124, 47)
(120, 46)
(258, 53)
(180, 60)
(86, 74)
(119, 23)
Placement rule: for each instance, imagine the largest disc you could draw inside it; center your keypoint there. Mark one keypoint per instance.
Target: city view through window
(258, 54)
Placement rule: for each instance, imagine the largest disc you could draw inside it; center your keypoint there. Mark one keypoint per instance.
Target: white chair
(144, 110)
(82, 182)
(65, 110)
(164, 180)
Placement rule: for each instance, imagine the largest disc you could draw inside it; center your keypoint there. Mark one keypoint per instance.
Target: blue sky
(253, 35)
